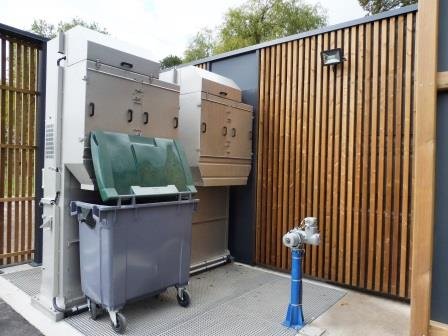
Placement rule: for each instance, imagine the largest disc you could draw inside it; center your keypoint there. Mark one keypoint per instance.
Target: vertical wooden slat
(299, 130)
(280, 152)
(381, 162)
(358, 54)
(397, 182)
(406, 158)
(17, 141)
(304, 142)
(286, 224)
(373, 157)
(337, 226)
(317, 251)
(324, 225)
(342, 251)
(351, 231)
(364, 236)
(275, 230)
(425, 164)
(2, 141)
(292, 161)
(389, 130)
(332, 227)
(310, 141)
(9, 137)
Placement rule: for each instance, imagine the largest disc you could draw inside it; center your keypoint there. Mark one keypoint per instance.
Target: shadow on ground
(12, 324)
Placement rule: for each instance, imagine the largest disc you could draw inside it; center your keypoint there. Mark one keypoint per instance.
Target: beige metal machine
(215, 128)
(94, 82)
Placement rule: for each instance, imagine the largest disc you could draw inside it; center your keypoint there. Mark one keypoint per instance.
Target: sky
(162, 26)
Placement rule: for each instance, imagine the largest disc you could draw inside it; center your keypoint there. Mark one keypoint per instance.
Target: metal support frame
(40, 142)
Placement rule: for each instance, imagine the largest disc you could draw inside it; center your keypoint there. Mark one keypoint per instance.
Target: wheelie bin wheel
(184, 298)
(94, 310)
(120, 327)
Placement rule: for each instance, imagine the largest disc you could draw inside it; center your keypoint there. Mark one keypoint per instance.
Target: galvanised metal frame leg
(294, 315)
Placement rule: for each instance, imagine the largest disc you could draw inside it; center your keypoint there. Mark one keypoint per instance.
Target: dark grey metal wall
(439, 302)
(243, 69)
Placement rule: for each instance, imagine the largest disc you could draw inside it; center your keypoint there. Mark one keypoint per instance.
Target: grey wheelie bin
(137, 242)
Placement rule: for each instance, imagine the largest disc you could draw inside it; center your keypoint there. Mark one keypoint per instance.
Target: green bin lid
(134, 165)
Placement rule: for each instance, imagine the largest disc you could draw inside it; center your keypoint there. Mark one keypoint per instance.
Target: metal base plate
(229, 300)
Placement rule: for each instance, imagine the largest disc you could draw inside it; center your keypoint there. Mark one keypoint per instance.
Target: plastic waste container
(140, 245)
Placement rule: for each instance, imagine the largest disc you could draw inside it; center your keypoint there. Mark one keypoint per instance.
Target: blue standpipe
(294, 315)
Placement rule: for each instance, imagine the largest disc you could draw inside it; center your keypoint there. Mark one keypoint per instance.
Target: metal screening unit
(216, 128)
(93, 83)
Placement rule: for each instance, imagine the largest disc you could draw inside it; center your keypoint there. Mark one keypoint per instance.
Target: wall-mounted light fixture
(332, 56)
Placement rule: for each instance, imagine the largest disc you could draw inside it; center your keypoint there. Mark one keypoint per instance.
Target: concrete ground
(355, 314)
(13, 324)
(362, 314)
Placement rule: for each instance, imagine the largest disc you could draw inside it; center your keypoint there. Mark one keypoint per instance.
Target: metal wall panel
(243, 69)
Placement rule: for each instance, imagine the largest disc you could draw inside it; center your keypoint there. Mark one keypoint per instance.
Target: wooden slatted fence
(18, 97)
(337, 143)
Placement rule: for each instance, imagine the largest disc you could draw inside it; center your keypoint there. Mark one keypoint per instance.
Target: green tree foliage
(44, 28)
(170, 61)
(378, 6)
(257, 21)
(200, 46)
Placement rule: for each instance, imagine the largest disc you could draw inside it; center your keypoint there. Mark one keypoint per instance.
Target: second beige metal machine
(215, 127)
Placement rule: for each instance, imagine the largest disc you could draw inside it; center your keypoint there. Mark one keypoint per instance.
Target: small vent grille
(49, 141)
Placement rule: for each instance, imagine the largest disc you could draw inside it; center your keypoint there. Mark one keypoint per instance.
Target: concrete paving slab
(13, 324)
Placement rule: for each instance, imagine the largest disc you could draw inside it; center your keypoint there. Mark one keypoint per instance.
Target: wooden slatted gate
(337, 144)
(19, 61)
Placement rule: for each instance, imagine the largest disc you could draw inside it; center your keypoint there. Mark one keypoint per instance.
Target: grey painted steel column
(244, 70)
(40, 153)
